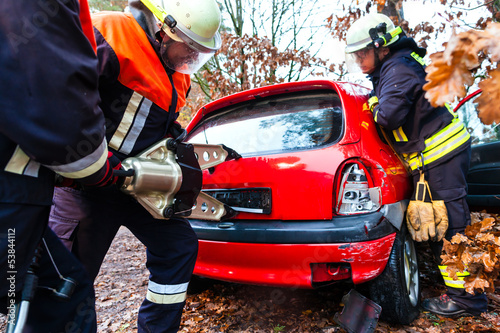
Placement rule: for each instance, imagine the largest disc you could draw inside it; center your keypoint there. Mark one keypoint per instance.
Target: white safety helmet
(191, 31)
(371, 31)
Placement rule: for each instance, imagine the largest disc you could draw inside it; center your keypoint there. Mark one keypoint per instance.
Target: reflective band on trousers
(450, 282)
(440, 144)
(166, 293)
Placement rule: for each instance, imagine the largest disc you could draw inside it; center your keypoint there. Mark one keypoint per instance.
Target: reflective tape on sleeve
(85, 166)
(21, 164)
(399, 135)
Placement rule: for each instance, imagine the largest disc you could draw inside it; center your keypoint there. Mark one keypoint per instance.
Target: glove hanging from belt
(426, 218)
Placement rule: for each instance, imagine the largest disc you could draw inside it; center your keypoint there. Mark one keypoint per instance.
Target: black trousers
(22, 227)
(87, 221)
(448, 182)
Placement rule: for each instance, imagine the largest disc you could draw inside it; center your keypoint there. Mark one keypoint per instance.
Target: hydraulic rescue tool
(167, 178)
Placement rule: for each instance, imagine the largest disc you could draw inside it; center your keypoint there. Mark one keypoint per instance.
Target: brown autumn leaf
(479, 282)
(451, 70)
(455, 267)
(489, 98)
(450, 248)
(487, 224)
(446, 79)
(491, 41)
(485, 238)
(460, 239)
(477, 252)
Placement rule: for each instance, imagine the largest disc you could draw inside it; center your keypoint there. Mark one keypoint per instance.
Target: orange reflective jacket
(140, 67)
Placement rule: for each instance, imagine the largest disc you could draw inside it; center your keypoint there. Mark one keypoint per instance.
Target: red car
(321, 198)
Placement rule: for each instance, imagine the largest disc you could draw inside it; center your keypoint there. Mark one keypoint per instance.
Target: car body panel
(483, 177)
(289, 265)
(265, 249)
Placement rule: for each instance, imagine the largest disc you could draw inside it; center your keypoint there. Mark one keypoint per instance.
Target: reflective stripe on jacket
(444, 142)
(48, 100)
(140, 98)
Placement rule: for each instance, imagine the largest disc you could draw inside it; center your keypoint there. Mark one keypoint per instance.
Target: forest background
(267, 42)
(272, 41)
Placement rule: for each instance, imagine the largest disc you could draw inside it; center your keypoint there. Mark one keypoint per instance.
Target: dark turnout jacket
(414, 126)
(50, 118)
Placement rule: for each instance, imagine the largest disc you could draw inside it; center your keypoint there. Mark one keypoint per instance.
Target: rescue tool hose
(30, 285)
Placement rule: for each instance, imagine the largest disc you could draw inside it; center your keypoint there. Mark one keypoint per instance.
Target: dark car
(483, 178)
(320, 197)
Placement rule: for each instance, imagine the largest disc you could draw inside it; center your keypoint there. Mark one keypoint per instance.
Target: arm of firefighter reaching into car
(393, 105)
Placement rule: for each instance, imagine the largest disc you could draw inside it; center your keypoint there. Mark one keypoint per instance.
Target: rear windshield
(274, 124)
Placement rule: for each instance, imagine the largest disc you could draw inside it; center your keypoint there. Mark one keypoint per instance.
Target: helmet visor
(181, 57)
(355, 61)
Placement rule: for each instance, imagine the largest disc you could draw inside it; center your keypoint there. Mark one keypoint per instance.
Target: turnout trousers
(22, 227)
(87, 221)
(448, 182)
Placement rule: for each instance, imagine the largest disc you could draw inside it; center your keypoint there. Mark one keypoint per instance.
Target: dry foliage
(453, 69)
(478, 252)
(245, 62)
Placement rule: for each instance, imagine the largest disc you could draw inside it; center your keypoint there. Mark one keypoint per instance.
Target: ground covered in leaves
(226, 307)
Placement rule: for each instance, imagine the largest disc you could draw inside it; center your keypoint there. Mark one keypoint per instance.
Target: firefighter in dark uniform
(50, 123)
(428, 138)
(143, 82)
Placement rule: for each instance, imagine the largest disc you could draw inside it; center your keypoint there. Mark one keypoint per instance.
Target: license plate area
(254, 200)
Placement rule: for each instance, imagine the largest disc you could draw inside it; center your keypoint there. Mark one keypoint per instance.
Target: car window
(274, 124)
(468, 113)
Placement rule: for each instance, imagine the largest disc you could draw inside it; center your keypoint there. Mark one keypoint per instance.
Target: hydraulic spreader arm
(167, 178)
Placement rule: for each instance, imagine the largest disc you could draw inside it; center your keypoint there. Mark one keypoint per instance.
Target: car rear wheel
(199, 284)
(397, 289)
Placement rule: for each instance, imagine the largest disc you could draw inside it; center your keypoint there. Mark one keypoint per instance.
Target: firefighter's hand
(372, 102)
(420, 220)
(112, 163)
(104, 177)
(440, 219)
(62, 181)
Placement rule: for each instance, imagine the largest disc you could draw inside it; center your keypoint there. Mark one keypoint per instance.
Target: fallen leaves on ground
(476, 252)
(227, 307)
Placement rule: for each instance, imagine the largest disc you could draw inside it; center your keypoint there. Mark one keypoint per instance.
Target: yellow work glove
(440, 219)
(420, 214)
(372, 101)
(420, 220)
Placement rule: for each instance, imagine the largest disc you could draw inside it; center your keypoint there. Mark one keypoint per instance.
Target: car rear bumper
(340, 229)
(289, 265)
(280, 253)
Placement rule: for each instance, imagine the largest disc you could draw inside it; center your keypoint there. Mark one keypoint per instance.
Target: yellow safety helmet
(194, 23)
(371, 31)
(375, 30)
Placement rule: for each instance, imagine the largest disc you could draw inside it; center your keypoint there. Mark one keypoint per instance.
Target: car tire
(397, 289)
(199, 284)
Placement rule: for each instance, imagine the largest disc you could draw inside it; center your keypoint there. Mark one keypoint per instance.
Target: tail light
(356, 193)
